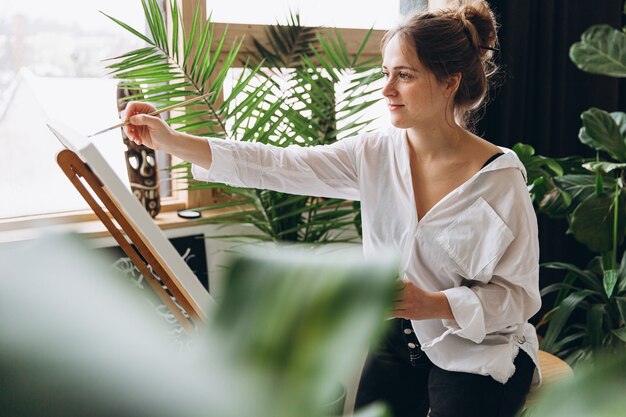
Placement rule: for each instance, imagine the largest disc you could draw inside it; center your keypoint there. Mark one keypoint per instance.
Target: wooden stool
(553, 369)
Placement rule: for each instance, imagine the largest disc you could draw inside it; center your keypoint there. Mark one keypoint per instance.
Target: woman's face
(414, 96)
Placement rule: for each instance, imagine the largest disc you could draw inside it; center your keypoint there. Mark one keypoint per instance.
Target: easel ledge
(142, 253)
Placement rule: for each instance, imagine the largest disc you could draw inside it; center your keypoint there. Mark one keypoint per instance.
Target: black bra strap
(492, 158)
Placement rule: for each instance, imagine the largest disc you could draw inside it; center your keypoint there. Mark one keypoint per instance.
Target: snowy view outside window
(51, 66)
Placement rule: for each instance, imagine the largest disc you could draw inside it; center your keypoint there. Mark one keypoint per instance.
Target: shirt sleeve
(510, 295)
(321, 171)
(494, 306)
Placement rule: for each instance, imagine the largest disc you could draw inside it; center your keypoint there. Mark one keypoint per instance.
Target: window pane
(361, 14)
(51, 66)
(377, 113)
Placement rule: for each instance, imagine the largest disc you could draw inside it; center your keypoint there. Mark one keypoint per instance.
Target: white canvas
(134, 212)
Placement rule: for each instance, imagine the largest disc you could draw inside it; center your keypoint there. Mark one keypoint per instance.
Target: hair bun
(479, 22)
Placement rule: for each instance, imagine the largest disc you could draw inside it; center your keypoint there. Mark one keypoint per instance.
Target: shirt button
(408, 331)
(412, 345)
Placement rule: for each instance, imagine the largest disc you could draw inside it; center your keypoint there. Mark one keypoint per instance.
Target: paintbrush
(154, 113)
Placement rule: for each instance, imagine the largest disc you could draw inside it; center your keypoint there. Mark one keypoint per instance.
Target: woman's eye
(404, 76)
(385, 74)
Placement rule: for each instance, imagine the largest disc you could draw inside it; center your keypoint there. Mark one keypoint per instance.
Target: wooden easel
(142, 255)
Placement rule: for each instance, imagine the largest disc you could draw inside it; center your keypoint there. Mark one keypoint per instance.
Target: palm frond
(287, 44)
(285, 95)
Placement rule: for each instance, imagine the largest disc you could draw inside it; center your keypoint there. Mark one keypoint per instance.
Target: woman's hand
(146, 130)
(414, 303)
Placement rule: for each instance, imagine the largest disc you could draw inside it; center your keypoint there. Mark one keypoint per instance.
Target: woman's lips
(393, 107)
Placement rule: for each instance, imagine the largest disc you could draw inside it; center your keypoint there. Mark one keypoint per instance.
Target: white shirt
(478, 245)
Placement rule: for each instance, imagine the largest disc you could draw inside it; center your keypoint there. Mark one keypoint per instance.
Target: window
(361, 14)
(350, 14)
(51, 66)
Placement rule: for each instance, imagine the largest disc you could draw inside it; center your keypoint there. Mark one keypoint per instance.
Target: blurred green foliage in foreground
(77, 340)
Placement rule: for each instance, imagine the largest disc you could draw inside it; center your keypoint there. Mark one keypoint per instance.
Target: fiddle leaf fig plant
(601, 50)
(590, 194)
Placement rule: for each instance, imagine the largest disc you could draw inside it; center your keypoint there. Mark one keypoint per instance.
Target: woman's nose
(389, 88)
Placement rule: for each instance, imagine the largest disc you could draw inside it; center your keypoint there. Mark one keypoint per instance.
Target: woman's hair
(459, 40)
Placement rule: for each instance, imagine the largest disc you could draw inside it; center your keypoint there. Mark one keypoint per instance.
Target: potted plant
(285, 95)
(589, 312)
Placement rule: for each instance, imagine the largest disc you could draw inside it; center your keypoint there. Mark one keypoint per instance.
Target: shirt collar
(508, 160)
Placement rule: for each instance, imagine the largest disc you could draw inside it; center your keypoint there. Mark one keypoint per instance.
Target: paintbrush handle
(156, 112)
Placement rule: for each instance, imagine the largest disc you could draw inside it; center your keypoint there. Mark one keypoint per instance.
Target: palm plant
(284, 95)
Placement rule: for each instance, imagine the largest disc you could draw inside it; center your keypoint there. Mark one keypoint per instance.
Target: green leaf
(554, 202)
(600, 131)
(563, 342)
(288, 44)
(523, 150)
(189, 41)
(620, 333)
(176, 28)
(553, 165)
(559, 318)
(621, 281)
(588, 278)
(357, 56)
(595, 329)
(329, 311)
(600, 167)
(582, 187)
(609, 280)
(621, 307)
(557, 287)
(130, 29)
(592, 224)
(541, 174)
(201, 47)
(620, 120)
(601, 50)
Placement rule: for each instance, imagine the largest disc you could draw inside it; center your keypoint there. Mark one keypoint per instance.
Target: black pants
(401, 375)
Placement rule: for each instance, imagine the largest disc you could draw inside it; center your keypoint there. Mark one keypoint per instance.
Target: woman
(452, 205)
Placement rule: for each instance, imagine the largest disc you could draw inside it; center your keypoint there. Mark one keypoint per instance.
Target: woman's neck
(436, 141)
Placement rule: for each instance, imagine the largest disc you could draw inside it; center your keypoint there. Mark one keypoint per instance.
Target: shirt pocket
(476, 240)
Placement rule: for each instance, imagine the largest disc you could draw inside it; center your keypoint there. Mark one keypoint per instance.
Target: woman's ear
(451, 85)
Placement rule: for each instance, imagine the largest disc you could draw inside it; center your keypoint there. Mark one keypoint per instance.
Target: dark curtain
(542, 93)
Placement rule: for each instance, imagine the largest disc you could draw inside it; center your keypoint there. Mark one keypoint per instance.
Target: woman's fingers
(399, 313)
(145, 120)
(132, 130)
